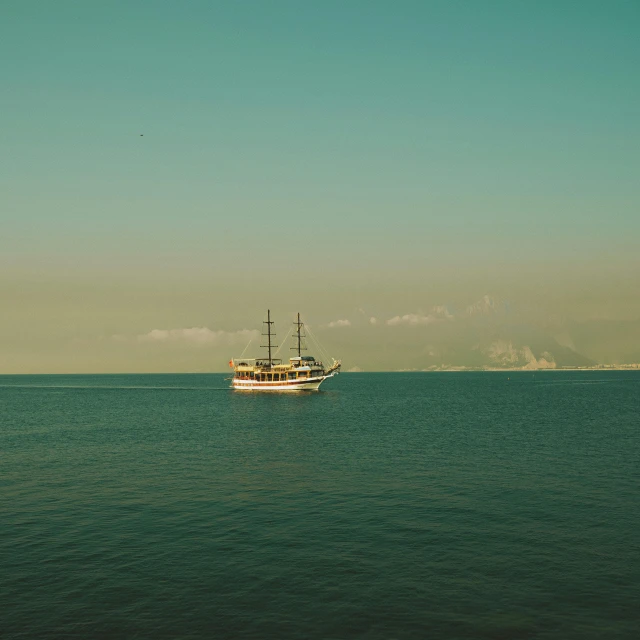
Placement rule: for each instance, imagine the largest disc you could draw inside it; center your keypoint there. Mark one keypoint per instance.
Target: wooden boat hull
(312, 384)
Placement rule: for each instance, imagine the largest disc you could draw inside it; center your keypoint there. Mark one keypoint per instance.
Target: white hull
(312, 384)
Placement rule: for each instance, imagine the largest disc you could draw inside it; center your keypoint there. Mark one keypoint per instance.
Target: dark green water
(388, 506)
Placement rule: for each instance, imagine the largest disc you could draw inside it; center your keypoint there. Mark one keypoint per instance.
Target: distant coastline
(598, 367)
(602, 367)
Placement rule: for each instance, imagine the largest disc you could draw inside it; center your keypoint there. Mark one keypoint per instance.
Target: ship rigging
(300, 373)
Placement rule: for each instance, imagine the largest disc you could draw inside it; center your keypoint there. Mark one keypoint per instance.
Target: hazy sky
(344, 159)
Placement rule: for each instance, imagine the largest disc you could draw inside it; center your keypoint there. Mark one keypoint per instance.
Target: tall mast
(268, 334)
(299, 336)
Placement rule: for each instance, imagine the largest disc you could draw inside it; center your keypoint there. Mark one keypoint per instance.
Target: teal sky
(421, 152)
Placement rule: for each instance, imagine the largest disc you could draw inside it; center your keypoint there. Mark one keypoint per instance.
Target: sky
(180, 167)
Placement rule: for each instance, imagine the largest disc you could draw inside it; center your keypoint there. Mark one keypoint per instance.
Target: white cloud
(199, 336)
(411, 319)
(373, 320)
(438, 314)
(339, 323)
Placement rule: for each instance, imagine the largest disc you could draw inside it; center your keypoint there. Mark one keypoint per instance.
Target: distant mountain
(605, 341)
(487, 306)
(501, 346)
(487, 334)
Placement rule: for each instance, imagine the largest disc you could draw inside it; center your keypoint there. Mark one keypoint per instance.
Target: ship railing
(255, 361)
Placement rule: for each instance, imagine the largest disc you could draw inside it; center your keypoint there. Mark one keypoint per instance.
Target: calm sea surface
(467, 505)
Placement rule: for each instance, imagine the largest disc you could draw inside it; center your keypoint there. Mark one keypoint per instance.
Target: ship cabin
(261, 370)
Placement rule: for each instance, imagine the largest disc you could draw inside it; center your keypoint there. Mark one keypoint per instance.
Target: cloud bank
(339, 323)
(438, 314)
(411, 319)
(198, 336)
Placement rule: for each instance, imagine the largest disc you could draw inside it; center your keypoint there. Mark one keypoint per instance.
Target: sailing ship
(301, 373)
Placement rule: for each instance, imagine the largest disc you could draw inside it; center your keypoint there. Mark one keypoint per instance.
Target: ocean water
(418, 505)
